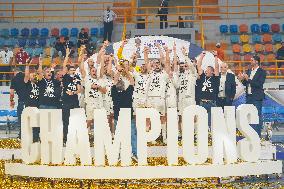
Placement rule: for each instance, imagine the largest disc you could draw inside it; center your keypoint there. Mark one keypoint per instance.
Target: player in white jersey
(185, 80)
(158, 79)
(140, 87)
(94, 91)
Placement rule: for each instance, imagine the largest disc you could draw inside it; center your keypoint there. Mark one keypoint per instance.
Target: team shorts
(158, 103)
(139, 103)
(90, 109)
(171, 101)
(108, 105)
(183, 103)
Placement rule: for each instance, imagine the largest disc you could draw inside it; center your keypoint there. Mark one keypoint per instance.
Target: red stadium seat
(262, 57)
(236, 48)
(55, 32)
(268, 48)
(258, 48)
(243, 28)
(270, 57)
(267, 38)
(275, 28)
(247, 57)
(236, 57)
(272, 70)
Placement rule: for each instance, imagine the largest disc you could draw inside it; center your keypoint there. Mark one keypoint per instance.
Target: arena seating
(263, 39)
(38, 41)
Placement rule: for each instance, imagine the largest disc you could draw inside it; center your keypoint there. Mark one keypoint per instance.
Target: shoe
(134, 158)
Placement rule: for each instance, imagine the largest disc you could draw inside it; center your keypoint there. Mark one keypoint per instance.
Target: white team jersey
(93, 96)
(185, 83)
(171, 94)
(157, 84)
(141, 85)
(108, 84)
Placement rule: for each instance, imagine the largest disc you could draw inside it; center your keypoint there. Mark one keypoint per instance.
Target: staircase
(208, 8)
(122, 9)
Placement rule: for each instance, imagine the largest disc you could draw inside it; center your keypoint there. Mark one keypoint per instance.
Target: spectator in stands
(6, 57)
(22, 57)
(70, 45)
(220, 52)
(280, 55)
(59, 47)
(227, 87)
(17, 85)
(108, 18)
(163, 13)
(83, 38)
(254, 79)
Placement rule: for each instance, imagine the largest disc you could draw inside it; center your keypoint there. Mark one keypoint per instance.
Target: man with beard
(184, 79)
(71, 89)
(31, 85)
(158, 79)
(94, 92)
(208, 84)
(122, 98)
(140, 86)
(227, 88)
(49, 90)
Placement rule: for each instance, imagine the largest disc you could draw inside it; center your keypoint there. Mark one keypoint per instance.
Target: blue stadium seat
(94, 31)
(101, 31)
(268, 114)
(34, 32)
(22, 42)
(64, 32)
(4, 32)
(25, 32)
(254, 28)
(42, 42)
(10, 42)
(37, 51)
(277, 38)
(3, 117)
(51, 41)
(233, 28)
(74, 40)
(29, 50)
(74, 32)
(279, 114)
(265, 28)
(94, 39)
(234, 38)
(14, 32)
(44, 32)
(32, 42)
(12, 117)
(256, 38)
(2, 42)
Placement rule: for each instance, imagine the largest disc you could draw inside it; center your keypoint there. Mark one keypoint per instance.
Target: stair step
(208, 2)
(211, 17)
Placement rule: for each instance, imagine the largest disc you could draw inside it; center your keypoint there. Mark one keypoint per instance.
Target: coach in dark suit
(253, 80)
(227, 87)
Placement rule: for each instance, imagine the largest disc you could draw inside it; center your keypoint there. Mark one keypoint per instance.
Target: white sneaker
(134, 158)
